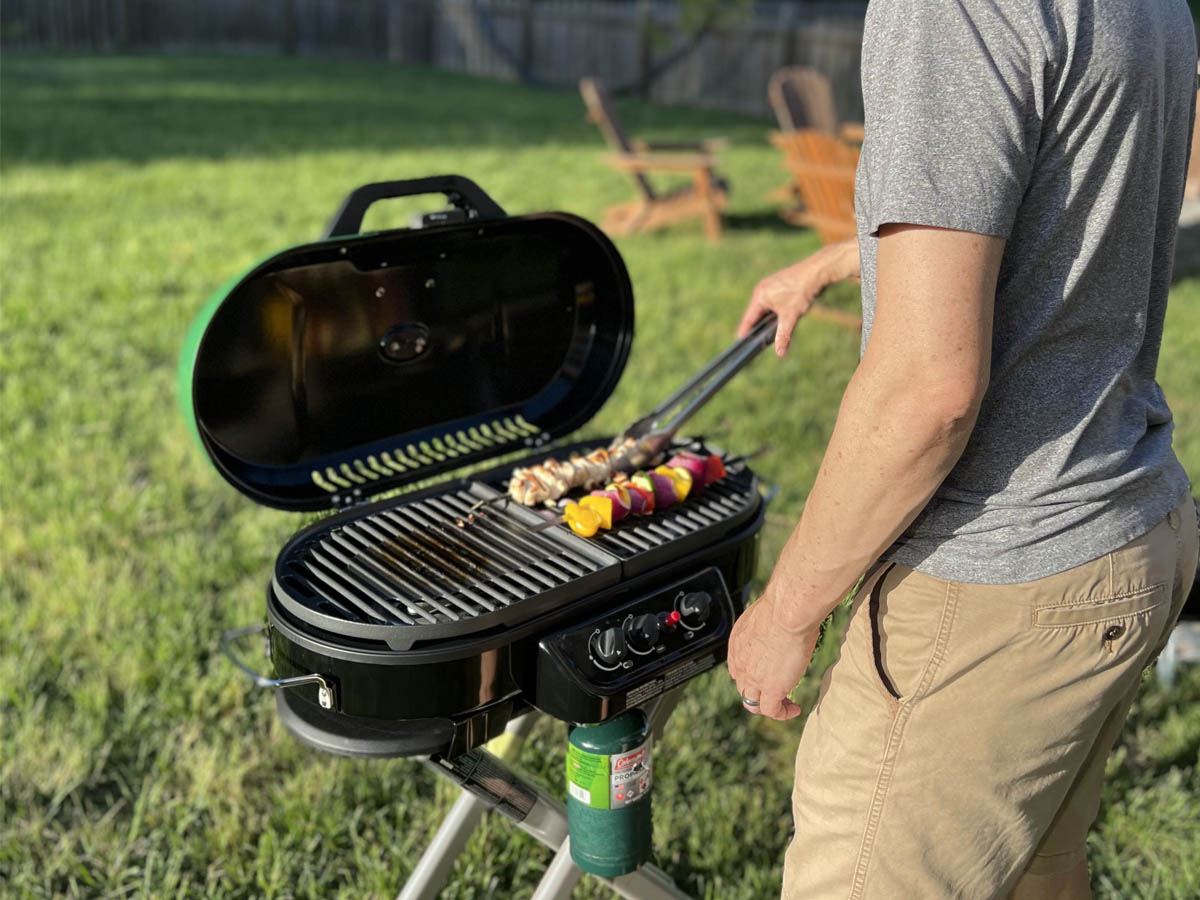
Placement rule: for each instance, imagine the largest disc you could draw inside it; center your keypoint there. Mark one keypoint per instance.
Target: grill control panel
(631, 654)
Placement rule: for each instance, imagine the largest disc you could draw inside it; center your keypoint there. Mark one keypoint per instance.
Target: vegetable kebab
(643, 492)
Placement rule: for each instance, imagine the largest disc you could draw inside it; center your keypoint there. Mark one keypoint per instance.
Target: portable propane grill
(424, 624)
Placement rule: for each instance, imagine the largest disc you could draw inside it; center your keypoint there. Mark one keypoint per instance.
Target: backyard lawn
(134, 760)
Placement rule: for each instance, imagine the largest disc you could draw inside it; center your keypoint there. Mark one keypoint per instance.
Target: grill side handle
(461, 192)
(326, 694)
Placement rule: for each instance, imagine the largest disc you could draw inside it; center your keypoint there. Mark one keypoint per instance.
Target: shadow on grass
(62, 110)
(759, 220)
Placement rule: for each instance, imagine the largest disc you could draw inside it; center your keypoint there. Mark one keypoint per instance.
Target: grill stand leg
(433, 868)
(561, 876)
(647, 883)
(545, 819)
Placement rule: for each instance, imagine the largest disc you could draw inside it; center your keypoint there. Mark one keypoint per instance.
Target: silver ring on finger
(747, 702)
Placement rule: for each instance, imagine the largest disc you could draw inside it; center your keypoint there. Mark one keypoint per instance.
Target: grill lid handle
(325, 690)
(461, 192)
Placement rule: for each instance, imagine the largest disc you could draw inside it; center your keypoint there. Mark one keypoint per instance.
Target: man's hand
(767, 661)
(791, 292)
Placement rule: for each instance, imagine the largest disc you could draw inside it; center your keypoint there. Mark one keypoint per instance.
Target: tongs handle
(715, 375)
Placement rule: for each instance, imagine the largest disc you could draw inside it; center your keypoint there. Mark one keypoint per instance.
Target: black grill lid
(361, 363)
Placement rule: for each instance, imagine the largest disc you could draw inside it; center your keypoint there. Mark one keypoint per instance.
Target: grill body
(445, 685)
(365, 364)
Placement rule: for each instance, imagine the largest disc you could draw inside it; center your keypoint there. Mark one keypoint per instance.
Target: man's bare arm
(903, 423)
(905, 417)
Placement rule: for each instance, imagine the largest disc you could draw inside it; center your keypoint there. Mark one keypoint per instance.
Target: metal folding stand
(487, 782)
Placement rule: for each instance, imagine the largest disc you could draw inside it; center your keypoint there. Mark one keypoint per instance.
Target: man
(1001, 466)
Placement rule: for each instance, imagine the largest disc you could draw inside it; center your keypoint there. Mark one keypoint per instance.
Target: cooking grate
(428, 567)
(420, 563)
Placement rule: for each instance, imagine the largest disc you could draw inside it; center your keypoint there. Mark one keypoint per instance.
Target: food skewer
(685, 473)
(644, 441)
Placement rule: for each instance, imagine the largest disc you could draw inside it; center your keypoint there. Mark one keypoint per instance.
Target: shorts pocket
(1095, 612)
(909, 617)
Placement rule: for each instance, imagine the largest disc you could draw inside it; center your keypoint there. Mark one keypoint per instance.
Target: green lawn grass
(133, 759)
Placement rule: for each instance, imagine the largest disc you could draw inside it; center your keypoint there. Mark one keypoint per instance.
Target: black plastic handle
(461, 192)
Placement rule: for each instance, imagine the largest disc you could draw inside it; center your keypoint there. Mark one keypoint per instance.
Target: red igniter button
(671, 619)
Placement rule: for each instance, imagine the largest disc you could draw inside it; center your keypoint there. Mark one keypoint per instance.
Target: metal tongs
(650, 435)
(653, 432)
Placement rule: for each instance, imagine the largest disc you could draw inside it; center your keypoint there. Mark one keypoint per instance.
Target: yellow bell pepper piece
(602, 506)
(583, 521)
(680, 477)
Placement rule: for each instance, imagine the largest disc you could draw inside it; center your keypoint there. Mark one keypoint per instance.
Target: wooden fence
(727, 68)
(553, 42)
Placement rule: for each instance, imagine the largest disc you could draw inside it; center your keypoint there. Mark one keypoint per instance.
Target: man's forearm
(905, 418)
(840, 261)
(895, 440)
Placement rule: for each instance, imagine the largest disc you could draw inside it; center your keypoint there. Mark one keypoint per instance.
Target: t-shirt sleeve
(951, 113)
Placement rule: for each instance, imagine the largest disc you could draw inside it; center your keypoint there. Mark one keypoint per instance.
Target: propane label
(582, 794)
(608, 782)
(587, 777)
(631, 777)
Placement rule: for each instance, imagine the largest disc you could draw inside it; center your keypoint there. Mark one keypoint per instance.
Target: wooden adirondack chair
(802, 98)
(822, 169)
(704, 198)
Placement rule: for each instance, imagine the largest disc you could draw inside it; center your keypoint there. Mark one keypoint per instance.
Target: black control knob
(642, 633)
(608, 646)
(694, 609)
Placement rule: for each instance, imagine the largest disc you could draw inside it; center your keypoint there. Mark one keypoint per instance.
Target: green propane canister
(608, 794)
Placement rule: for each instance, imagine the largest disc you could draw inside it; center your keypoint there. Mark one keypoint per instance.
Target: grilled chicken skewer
(554, 478)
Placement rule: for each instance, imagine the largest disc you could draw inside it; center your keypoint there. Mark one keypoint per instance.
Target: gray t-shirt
(1063, 127)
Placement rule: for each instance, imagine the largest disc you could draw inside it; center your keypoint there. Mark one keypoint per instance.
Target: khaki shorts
(960, 739)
